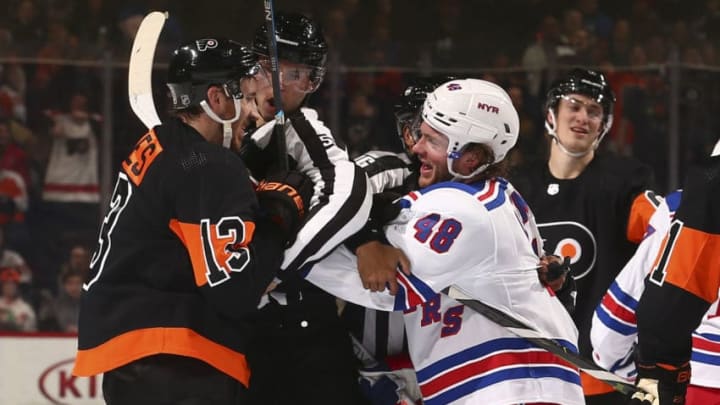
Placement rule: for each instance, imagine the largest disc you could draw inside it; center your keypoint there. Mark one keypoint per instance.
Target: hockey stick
(519, 328)
(278, 136)
(140, 69)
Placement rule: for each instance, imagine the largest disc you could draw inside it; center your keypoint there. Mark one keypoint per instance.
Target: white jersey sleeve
(614, 326)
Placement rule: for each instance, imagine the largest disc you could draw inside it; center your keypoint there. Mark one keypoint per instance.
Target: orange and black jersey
(588, 218)
(181, 258)
(685, 277)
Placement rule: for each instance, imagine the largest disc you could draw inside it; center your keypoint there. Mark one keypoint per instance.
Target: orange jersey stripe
(136, 344)
(593, 386)
(192, 237)
(694, 263)
(643, 207)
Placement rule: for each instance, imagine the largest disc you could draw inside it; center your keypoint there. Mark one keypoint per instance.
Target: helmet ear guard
(472, 111)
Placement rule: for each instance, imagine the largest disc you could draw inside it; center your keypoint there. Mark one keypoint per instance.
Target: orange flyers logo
(572, 239)
(141, 157)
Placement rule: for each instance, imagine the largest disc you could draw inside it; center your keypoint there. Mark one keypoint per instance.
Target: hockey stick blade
(140, 69)
(278, 136)
(519, 328)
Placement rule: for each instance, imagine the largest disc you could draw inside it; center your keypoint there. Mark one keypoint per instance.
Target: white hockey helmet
(471, 111)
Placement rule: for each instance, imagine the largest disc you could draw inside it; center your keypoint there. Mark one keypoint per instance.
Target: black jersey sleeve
(234, 255)
(685, 278)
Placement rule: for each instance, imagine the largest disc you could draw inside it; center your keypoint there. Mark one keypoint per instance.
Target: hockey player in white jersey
(468, 227)
(614, 325)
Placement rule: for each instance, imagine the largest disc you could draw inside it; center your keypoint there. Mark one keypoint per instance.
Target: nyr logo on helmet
(489, 108)
(454, 86)
(205, 44)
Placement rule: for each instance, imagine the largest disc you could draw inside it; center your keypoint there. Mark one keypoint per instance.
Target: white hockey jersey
(481, 237)
(614, 326)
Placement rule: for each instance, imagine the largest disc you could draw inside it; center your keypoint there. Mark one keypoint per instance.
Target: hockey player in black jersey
(679, 291)
(183, 254)
(302, 341)
(582, 200)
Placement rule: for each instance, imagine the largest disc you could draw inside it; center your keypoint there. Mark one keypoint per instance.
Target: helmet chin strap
(227, 124)
(550, 127)
(457, 176)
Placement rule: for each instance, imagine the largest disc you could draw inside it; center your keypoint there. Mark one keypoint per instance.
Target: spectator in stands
(62, 314)
(10, 258)
(595, 21)
(12, 156)
(58, 312)
(15, 313)
(71, 189)
(78, 261)
(621, 43)
(13, 86)
(542, 54)
(26, 27)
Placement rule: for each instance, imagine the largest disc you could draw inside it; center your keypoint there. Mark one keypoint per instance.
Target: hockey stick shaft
(140, 68)
(519, 328)
(279, 128)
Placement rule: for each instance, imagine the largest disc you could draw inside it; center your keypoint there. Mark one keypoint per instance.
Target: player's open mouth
(425, 168)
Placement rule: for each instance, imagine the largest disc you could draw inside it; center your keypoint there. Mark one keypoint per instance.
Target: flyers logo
(205, 44)
(567, 238)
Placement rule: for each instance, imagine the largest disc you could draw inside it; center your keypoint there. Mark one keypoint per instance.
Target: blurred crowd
(51, 93)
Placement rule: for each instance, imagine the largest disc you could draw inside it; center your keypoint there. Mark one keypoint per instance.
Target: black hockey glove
(285, 198)
(384, 209)
(663, 384)
(257, 160)
(555, 273)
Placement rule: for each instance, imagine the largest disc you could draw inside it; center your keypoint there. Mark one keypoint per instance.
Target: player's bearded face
(579, 119)
(431, 150)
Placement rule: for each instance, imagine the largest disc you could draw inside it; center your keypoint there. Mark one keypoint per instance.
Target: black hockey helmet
(299, 40)
(415, 94)
(587, 82)
(412, 99)
(197, 65)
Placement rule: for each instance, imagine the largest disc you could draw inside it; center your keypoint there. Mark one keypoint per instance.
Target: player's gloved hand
(285, 197)
(553, 271)
(663, 384)
(385, 207)
(257, 160)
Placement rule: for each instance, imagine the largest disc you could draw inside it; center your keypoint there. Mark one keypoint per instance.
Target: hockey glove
(663, 384)
(257, 160)
(553, 271)
(285, 197)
